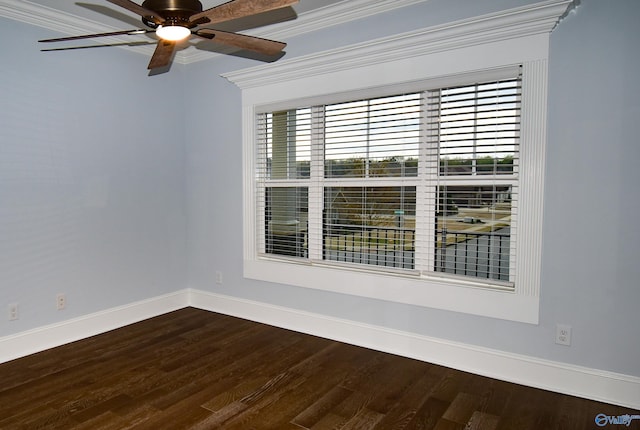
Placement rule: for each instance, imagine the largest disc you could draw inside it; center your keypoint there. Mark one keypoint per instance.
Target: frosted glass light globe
(173, 32)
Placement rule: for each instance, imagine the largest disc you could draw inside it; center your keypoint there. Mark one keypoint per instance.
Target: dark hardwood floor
(193, 369)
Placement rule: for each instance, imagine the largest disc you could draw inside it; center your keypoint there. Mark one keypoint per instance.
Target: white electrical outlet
(563, 334)
(218, 277)
(61, 301)
(13, 312)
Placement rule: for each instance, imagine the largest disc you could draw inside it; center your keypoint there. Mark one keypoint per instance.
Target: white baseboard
(603, 386)
(50, 336)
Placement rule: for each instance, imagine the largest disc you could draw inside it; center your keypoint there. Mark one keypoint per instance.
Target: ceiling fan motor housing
(174, 12)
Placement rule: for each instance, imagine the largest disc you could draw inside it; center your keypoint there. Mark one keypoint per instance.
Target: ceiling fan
(176, 20)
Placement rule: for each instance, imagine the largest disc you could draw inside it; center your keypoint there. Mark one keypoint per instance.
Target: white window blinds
(478, 128)
(473, 151)
(425, 181)
(283, 169)
(373, 138)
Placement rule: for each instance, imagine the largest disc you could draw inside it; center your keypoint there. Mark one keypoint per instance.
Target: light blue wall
(106, 196)
(590, 277)
(91, 180)
(591, 272)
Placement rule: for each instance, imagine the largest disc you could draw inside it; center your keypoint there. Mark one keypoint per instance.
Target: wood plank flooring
(193, 369)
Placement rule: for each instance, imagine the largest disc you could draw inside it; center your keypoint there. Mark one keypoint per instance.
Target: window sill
(443, 294)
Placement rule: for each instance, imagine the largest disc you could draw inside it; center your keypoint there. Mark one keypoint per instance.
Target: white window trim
(513, 37)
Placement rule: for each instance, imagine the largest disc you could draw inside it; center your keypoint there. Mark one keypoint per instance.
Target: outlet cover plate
(563, 334)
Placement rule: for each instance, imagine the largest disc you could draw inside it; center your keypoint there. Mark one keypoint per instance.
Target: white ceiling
(107, 13)
(65, 17)
(74, 7)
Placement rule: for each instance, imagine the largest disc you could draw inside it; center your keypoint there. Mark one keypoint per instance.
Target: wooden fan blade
(162, 55)
(136, 8)
(252, 43)
(238, 9)
(91, 36)
(110, 45)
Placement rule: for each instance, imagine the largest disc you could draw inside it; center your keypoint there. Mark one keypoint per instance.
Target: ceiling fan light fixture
(173, 32)
(176, 20)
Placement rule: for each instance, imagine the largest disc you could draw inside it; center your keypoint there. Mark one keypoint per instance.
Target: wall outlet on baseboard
(563, 334)
(218, 277)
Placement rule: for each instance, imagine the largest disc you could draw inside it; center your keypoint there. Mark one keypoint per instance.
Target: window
(362, 166)
(404, 171)
(475, 144)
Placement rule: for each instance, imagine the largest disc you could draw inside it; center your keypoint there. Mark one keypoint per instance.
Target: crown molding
(336, 14)
(69, 24)
(518, 22)
(340, 13)
(41, 16)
